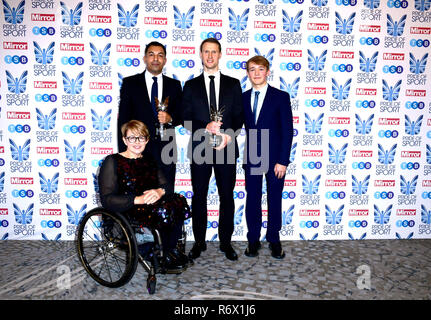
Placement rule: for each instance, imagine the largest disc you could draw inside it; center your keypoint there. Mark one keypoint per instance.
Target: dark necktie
(256, 99)
(213, 100)
(154, 93)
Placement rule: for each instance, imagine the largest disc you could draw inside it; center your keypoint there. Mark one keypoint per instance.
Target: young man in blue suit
(269, 127)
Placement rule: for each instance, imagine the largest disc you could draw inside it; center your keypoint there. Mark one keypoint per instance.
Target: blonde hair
(135, 126)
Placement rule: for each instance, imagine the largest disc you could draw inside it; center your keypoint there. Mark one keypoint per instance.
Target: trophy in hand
(216, 115)
(161, 127)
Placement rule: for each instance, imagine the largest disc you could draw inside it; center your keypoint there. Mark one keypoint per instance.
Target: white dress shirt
(262, 93)
(149, 81)
(216, 83)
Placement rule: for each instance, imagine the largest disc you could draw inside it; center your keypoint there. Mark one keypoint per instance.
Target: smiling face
(135, 143)
(210, 56)
(258, 75)
(155, 60)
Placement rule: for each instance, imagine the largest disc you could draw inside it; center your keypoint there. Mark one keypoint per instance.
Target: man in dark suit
(137, 101)
(269, 128)
(212, 88)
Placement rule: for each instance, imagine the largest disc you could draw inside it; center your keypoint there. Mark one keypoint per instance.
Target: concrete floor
(312, 270)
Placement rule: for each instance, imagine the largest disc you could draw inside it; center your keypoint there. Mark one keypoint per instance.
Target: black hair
(155, 44)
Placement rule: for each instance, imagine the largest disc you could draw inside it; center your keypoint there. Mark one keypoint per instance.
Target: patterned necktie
(212, 93)
(256, 99)
(154, 93)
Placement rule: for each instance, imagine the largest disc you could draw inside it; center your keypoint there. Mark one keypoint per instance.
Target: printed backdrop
(357, 73)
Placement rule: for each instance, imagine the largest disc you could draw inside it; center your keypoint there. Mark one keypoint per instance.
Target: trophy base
(215, 141)
(160, 133)
(161, 130)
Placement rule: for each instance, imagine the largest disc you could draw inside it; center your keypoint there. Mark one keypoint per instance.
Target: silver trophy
(216, 115)
(161, 128)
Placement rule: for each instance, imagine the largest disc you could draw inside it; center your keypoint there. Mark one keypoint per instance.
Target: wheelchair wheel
(107, 247)
(151, 284)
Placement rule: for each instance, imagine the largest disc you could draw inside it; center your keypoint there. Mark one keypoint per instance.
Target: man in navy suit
(269, 128)
(212, 88)
(137, 101)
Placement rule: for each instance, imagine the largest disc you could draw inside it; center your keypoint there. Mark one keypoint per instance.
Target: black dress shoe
(198, 247)
(181, 257)
(253, 249)
(276, 250)
(174, 263)
(229, 251)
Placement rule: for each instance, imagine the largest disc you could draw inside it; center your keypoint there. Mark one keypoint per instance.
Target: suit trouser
(170, 237)
(168, 166)
(253, 205)
(225, 175)
(170, 171)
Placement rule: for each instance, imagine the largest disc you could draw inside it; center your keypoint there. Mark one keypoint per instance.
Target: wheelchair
(108, 249)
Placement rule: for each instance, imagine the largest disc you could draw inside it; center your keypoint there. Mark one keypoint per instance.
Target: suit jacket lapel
(222, 89)
(247, 108)
(265, 104)
(165, 89)
(202, 95)
(147, 100)
(202, 89)
(144, 87)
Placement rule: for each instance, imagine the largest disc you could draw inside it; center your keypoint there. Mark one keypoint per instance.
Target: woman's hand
(150, 196)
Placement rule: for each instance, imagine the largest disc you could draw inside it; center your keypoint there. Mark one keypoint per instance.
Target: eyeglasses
(133, 139)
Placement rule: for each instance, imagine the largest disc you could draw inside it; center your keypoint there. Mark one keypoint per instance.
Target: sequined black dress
(121, 179)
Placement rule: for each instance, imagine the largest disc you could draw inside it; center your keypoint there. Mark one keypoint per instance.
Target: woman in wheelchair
(131, 183)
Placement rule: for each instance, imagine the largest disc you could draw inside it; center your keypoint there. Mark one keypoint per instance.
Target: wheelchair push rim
(107, 248)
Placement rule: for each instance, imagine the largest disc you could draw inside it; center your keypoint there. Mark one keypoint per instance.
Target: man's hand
(226, 140)
(279, 170)
(164, 117)
(214, 127)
